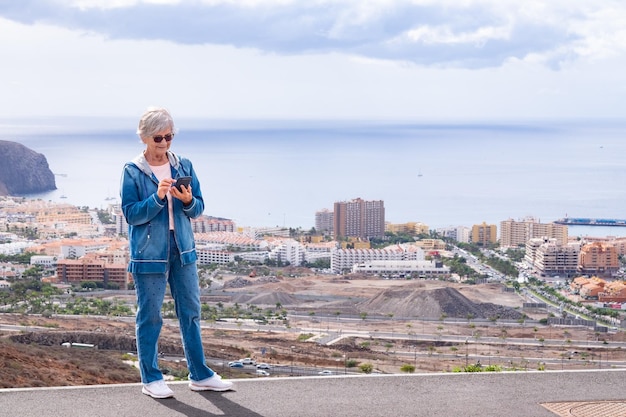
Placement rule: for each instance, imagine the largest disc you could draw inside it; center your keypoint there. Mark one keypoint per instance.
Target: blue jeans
(150, 289)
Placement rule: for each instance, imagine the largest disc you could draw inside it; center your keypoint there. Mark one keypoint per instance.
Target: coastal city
(73, 245)
(76, 248)
(354, 291)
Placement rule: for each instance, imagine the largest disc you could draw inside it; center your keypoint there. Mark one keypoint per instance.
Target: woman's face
(159, 148)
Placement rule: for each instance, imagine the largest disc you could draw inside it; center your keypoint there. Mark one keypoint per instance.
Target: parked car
(325, 372)
(261, 372)
(263, 366)
(235, 364)
(247, 361)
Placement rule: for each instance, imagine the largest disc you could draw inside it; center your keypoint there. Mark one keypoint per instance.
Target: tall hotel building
(359, 218)
(517, 233)
(483, 234)
(324, 221)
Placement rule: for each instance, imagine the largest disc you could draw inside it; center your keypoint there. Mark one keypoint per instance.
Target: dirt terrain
(354, 295)
(402, 309)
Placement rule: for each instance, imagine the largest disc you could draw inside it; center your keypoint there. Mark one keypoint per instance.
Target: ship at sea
(585, 221)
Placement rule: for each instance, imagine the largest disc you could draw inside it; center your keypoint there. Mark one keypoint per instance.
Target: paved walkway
(595, 393)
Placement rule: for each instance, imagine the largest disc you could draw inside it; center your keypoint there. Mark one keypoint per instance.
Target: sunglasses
(160, 138)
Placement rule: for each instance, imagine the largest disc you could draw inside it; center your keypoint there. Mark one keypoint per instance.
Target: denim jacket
(148, 218)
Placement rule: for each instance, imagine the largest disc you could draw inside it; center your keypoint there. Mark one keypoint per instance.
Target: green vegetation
(458, 265)
(35, 297)
(351, 363)
(391, 239)
(540, 288)
(105, 217)
(318, 264)
(478, 368)
(26, 232)
(25, 288)
(515, 255)
(35, 272)
(22, 258)
(472, 248)
(366, 368)
(180, 374)
(407, 368)
(503, 266)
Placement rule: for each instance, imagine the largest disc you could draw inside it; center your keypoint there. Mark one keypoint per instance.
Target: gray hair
(155, 119)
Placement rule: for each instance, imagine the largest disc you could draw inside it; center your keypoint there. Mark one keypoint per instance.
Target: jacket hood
(141, 162)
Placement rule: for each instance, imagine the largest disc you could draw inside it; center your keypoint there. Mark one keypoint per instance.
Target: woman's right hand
(164, 187)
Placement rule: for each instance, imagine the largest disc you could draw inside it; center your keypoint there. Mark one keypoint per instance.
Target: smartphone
(182, 181)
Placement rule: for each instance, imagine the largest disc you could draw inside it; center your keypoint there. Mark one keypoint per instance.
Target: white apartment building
(222, 248)
(208, 256)
(548, 257)
(403, 269)
(82, 248)
(315, 251)
(206, 224)
(230, 239)
(257, 232)
(45, 261)
(14, 245)
(344, 259)
(255, 256)
(121, 226)
(324, 222)
(288, 250)
(460, 233)
(8, 237)
(14, 248)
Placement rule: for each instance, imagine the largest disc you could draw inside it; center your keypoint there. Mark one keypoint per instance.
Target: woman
(162, 251)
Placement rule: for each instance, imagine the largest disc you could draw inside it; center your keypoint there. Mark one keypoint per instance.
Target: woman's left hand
(185, 195)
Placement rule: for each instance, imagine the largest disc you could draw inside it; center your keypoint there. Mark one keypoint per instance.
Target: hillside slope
(23, 171)
(46, 366)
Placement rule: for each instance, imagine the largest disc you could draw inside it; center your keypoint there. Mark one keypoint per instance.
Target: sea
(279, 173)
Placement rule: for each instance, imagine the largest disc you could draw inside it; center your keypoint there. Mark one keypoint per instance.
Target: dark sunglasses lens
(159, 138)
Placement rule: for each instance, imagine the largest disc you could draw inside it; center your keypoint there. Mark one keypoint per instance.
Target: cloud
(451, 33)
(365, 59)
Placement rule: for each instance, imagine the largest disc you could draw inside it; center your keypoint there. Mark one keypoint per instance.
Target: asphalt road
(516, 394)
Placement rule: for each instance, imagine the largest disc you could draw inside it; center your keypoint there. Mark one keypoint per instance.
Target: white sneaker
(213, 383)
(157, 389)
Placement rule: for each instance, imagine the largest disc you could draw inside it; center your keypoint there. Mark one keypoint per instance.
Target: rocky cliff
(23, 171)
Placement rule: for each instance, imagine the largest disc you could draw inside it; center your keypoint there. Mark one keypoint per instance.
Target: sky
(314, 59)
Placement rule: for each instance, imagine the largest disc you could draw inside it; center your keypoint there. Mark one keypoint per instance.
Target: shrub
(408, 368)
(351, 363)
(304, 337)
(366, 368)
